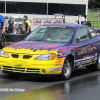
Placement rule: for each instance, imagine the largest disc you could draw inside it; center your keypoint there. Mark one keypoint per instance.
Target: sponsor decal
(59, 61)
(88, 57)
(81, 66)
(93, 34)
(78, 63)
(88, 61)
(78, 60)
(19, 65)
(85, 58)
(83, 62)
(59, 56)
(53, 70)
(85, 51)
(59, 69)
(56, 69)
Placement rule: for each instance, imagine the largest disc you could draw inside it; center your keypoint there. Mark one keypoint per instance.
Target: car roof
(64, 24)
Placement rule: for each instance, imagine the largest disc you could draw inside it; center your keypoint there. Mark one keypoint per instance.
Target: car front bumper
(48, 67)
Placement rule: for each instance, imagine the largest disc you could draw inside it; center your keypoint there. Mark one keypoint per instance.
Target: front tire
(67, 69)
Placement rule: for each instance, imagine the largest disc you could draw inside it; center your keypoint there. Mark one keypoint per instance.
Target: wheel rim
(67, 68)
(99, 62)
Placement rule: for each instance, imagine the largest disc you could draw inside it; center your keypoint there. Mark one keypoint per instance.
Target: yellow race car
(50, 50)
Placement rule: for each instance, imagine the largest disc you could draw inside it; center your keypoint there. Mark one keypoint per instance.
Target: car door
(85, 47)
(95, 44)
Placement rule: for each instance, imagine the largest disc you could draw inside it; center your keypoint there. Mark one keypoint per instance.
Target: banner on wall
(37, 22)
(57, 21)
(47, 21)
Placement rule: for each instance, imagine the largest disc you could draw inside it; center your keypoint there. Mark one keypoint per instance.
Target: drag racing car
(53, 49)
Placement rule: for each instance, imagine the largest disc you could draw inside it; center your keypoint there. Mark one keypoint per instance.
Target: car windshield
(18, 19)
(52, 34)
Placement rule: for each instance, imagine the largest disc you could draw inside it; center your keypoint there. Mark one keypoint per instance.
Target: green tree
(94, 3)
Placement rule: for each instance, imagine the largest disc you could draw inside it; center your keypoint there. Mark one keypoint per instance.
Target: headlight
(46, 57)
(3, 54)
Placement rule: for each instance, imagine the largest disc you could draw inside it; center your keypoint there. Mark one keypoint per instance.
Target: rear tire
(67, 69)
(97, 65)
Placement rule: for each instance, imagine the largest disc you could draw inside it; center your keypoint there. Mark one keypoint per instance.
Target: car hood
(37, 47)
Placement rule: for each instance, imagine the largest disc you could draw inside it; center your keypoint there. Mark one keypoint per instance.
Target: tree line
(94, 3)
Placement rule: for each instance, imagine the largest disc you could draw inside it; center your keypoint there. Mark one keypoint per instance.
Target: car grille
(24, 56)
(15, 56)
(24, 70)
(33, 70)
(19, 69)
(7, 68)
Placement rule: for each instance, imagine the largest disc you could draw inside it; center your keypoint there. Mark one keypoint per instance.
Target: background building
(45, 8)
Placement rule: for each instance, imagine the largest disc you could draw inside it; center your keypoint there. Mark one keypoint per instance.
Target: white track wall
(54, 1)
(68, 19)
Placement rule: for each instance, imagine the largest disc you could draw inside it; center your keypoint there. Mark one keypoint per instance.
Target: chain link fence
(94, 14)
(94, 17)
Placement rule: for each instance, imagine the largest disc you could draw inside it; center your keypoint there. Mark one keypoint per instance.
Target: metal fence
(95, 24)
(94, 14)
(94, 17)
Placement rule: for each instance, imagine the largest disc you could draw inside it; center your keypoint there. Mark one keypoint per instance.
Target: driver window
(82, 35)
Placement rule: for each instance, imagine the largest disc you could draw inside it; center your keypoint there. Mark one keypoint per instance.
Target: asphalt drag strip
(82, 86)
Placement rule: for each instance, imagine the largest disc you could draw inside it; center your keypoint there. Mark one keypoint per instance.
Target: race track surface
(82, 85)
